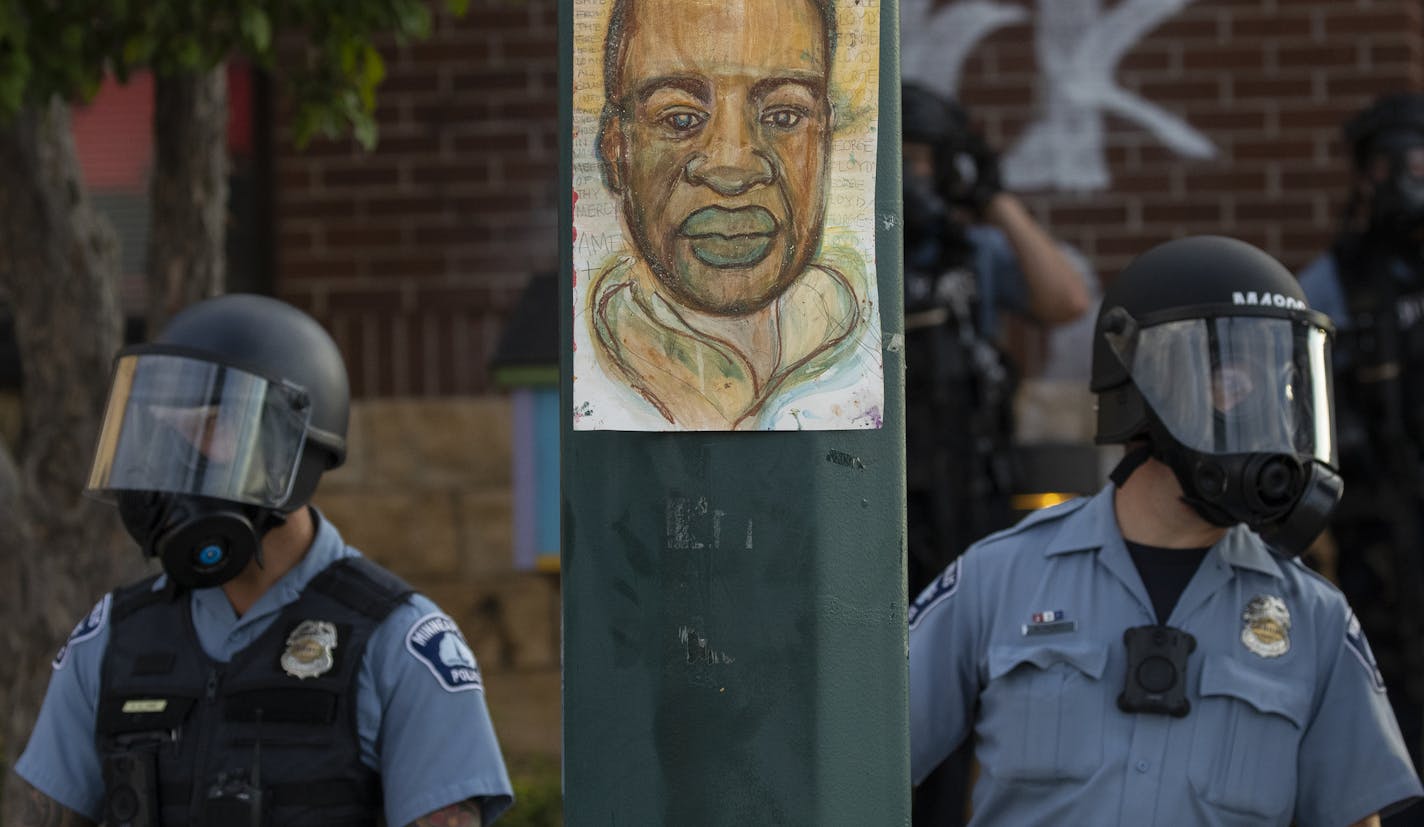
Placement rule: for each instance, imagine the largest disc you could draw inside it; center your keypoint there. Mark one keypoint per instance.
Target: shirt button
(1142, 766)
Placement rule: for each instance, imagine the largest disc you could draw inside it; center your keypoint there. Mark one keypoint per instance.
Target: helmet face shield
(1236, 384)
(181, 425)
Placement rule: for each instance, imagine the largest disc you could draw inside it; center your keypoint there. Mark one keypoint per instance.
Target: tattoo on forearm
(43, 811)
(464, 814)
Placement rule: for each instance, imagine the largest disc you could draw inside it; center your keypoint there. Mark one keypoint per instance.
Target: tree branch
(188, 189)
(58, 269)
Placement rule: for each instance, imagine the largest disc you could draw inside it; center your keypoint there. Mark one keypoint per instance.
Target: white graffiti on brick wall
(1078, 47)
(935, 42)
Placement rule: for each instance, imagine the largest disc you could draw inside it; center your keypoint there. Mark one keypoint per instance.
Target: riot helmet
(940, 179)
(1386, 143)
(1206, 354)
(218, 429)
(966, 171)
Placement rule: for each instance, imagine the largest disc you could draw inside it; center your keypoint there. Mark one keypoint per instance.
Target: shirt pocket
(1042, 711)
(1246, 738)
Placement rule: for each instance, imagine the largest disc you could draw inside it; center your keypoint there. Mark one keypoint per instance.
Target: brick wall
(1268, 82)
(414, 254)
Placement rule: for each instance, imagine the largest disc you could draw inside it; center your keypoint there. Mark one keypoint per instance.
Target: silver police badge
(309, 648)
(1267, 629)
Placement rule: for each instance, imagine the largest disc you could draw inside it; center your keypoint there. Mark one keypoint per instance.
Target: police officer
(1371, 284)
(971, 251)
(1153, 655)
(271, 674)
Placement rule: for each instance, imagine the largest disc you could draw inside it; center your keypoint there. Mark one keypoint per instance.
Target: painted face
(720, 150)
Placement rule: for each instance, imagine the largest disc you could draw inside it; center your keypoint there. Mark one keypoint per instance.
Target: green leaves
(14, 59)
(256, 29)
(326, 53)
(137, 50)
(414, 19)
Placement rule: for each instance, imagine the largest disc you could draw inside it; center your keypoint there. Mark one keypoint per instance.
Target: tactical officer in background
(1153, 655)
(971, 250)
(271, 675)
(1371, 283)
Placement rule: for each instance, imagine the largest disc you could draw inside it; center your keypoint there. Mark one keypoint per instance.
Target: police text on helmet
(1267, 300)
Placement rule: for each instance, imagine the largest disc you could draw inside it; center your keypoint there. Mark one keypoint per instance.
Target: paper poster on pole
(724, 215)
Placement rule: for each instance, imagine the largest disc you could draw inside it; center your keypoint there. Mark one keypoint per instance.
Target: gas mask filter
(1283, 497)
(201, 542)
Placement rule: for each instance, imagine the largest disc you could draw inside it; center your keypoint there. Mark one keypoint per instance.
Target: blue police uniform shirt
(1288, 720)
(1321, 282)
(422, 724)
(1001, 281)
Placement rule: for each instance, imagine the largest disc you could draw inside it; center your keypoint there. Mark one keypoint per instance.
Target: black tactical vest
(1380, 354)
(1379, 398)
(188, 741)
(958, 421)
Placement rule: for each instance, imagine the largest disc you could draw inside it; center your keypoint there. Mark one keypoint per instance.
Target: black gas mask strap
(1130, 462)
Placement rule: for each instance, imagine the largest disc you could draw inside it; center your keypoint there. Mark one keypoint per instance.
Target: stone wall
(426, 491)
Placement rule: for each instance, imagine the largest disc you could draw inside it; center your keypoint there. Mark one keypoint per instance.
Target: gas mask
(201, 542)
(200, 458)
(934, 241)
(1241, 411)
(1396, 169)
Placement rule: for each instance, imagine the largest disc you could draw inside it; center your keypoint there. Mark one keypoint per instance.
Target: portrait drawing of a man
(725, 310)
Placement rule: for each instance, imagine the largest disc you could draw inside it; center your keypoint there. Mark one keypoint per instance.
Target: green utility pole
(734, 641)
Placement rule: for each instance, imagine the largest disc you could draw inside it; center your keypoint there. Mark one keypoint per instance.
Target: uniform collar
(1085, 529)
(1242, 549)
(1094, 528)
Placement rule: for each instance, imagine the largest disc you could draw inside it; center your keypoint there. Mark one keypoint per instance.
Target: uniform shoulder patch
(88, 626)
(436, 641)
(942, 589)
(1355, 639)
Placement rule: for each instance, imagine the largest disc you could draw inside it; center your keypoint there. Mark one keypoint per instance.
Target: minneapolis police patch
(437, 642)
(939, 591)
(1355, 638)
(89, 626)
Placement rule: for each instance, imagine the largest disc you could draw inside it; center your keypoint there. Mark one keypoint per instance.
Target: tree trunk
(189, 192)
(59, 551)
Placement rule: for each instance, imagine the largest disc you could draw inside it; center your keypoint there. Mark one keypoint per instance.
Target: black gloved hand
(974, 176)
